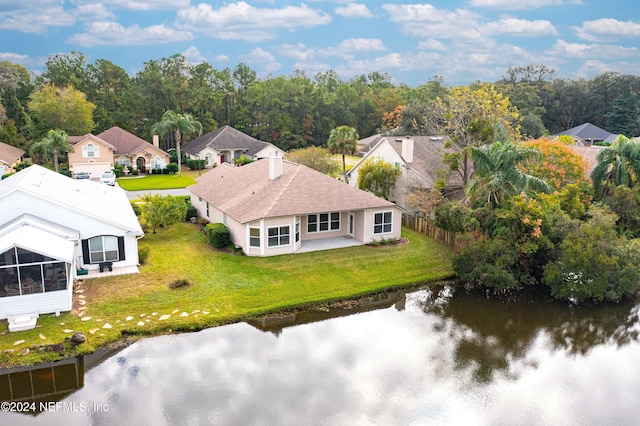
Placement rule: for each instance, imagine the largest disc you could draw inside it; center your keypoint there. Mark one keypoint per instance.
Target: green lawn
(226, 288)
(137, 183)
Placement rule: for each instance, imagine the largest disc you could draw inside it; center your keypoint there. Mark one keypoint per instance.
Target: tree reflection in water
(491, 332)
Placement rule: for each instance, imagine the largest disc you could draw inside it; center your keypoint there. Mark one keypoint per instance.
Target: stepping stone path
(67, 331)
(175, 311)
(43, 337)
(107, 325)
(85, 319)
(141, 323)
(18, 342)
(129, 318)
(93, 331)
(184, 314)
(164, 317)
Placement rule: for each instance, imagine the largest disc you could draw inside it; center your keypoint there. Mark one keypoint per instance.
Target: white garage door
(96, 169)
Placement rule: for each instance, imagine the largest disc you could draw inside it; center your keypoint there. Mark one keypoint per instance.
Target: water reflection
(434, 357)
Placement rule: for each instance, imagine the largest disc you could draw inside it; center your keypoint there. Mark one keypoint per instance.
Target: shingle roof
(223, 138)
(587, 131)
(10, 154)
(74, 140)
(124, 142)
(109, 204)
(246, 193)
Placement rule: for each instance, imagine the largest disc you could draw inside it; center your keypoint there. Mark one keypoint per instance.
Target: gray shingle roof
(224, 138)
(587, 132)
(246, 193)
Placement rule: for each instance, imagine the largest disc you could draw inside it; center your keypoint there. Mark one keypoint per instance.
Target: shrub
(218, 235)
(242, 160)
(22, 165)
(179, 284)
(172, 168)
(143, 254)
(7, 175)
(118, 170)
(135, 172)
(196, 164)
(136, 208)
(191, 212)
(165, 171)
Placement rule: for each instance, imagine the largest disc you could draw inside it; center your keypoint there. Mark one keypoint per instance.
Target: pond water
(436, 357)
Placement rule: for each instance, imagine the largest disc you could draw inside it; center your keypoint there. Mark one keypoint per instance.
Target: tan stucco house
(9, 156)
(273, 207)
(98, 153)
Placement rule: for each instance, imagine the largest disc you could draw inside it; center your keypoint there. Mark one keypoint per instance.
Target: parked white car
(108, 178)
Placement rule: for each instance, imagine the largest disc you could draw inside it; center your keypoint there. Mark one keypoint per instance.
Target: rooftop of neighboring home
(118, 139)
(426, 155)
(589, 133)
(104, 202)
(225, 138)
(258, 190)
(9, 154)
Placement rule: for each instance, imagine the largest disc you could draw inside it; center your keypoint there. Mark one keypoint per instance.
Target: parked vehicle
(108, 178)
(83, 175)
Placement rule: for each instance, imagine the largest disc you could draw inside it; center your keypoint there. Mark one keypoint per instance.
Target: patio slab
(328, 244)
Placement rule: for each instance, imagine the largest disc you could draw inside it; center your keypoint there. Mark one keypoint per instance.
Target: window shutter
(121, 255)
(85, 252)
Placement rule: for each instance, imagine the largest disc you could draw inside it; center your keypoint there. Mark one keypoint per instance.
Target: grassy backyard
(225, 288)
(138, 183)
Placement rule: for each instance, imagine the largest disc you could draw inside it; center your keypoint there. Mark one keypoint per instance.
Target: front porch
(328, 244)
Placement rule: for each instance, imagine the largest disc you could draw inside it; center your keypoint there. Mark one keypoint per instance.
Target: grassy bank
(224, 288)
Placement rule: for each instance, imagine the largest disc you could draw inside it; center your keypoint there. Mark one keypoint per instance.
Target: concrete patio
(95, 273)
(328, 244)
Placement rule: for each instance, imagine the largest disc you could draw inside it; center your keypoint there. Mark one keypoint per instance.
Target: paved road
(139, 194)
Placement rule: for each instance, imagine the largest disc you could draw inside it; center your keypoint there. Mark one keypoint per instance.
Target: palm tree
(343, 140)
(618, 164)
(54, 142)
(497, 175)
(179, 124)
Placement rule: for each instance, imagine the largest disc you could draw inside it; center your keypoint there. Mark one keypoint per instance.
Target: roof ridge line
(276, 199)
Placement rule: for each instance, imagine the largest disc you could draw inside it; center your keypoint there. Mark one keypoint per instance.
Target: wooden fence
(421, 224)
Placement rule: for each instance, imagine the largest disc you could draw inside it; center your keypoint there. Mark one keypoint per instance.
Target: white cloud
(354, 10)
(424, 20)
(222, 58)
(93, 12)
(112, 33)
(563, 49)
(520, 27)
(522, 4)
(193, 55)
(262, 58)
(347, 48)
(607, 29)
(139, 4)
(432, 44)
(298, 51)
(241, 21)
(13, 57)
(36, 20)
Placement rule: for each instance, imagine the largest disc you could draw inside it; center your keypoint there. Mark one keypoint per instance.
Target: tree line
(293, 111)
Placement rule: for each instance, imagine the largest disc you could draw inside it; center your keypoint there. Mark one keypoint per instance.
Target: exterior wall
(368, 224)
(269, 151)
(42, 303)
(150, 149)
(306, 236)
(14, 205)
(93, 165)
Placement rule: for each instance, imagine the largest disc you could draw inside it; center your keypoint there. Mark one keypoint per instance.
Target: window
(124, 161)
(278, 236)
(254, 237)
(103, 249)
(207, 209)
(323, 222)
(382, 222)
(90, 151)
(208, 160)
(157, 163)
(297, 232)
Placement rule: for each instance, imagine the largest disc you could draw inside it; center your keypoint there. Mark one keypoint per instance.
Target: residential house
(98, 153)
(225, 144)
(588, 134)
(418, 157)
(51, 226)
(9, 156)
(273, 206)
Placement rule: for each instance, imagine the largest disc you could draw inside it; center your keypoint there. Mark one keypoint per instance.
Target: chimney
(275, 167)
(156, 141)
(407, 149)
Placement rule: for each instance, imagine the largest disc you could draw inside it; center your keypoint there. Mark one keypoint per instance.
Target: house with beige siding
(98, 153)
(9, 157)
(273, 207)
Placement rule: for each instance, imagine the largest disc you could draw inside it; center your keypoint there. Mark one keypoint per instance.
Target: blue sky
(460, 40)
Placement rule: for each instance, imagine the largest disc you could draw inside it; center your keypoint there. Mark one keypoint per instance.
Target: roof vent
(398, 139)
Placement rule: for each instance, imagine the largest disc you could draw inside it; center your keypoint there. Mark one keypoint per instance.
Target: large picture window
(157, 163)
(103, 249)
(254, 237)
(323, 222)
(124, 161)
(278, 236)
(382, 222)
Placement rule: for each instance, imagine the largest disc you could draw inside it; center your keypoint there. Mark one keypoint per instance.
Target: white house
(52, 226)
(272, 207)
(225, 144)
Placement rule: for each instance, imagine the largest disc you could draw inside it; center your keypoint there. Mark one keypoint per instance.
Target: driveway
(139, 194)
